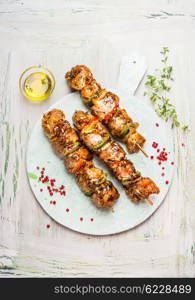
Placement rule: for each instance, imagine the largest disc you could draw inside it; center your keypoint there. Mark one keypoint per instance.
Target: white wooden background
(60, 34)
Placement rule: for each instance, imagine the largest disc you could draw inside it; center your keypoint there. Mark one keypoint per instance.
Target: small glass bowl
(32, 70)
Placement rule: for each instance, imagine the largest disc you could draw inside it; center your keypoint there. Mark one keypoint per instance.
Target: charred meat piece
(101, 93)
(133, 139)
(120, 123)
(66, 140)
(79, 77)
(63, 138)
(77, 159)
(89, 177)
(93, 133)
(111, 154)
(82, 119)
(90, 91)
(104, 107)
(142, 189)
(125, 172)
(50, 120)
(105, 195)
(95, 136)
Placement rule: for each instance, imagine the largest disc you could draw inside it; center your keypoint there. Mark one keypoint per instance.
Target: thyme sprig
(157, 89)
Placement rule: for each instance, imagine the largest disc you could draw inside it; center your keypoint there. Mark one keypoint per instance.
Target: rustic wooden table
(60, 34)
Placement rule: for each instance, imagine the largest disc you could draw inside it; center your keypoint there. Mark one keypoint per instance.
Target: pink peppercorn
(154, 145)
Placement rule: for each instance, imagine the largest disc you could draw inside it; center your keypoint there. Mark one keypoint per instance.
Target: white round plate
(75, 210)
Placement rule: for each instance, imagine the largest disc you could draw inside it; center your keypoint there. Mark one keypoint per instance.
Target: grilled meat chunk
(63, 138)
(65, 141)
(50, 120)
(125, 172)
(82, 119)
(93, 133)
(77, 159)
(120, 123)
(90, 91)
(79, 77)
(111, 154)
(89, 177)
(141, 189)
(104, 107)
(133, 139)
(105, 195)
(95, 136)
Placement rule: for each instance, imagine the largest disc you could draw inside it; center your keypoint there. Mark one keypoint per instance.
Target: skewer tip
(142, 150)
(149, 201)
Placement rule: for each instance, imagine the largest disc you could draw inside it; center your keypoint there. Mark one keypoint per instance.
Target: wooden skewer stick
(142, 150)
(149, 201)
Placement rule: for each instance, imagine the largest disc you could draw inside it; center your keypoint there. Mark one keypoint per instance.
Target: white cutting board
(75, 210)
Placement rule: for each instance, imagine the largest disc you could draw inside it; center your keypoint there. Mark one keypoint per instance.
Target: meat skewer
(96, 137)
(78, 160)
(105, 106)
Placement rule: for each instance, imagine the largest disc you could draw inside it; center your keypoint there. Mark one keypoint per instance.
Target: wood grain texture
(59, 35)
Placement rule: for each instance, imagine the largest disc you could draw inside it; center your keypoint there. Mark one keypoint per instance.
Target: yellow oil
(37, 86)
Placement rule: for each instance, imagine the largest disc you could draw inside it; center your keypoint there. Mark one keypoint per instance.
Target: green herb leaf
(157, 89)
(32, 176)
(185, 128)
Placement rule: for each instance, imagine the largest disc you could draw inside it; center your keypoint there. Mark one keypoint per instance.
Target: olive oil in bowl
(37, 83)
